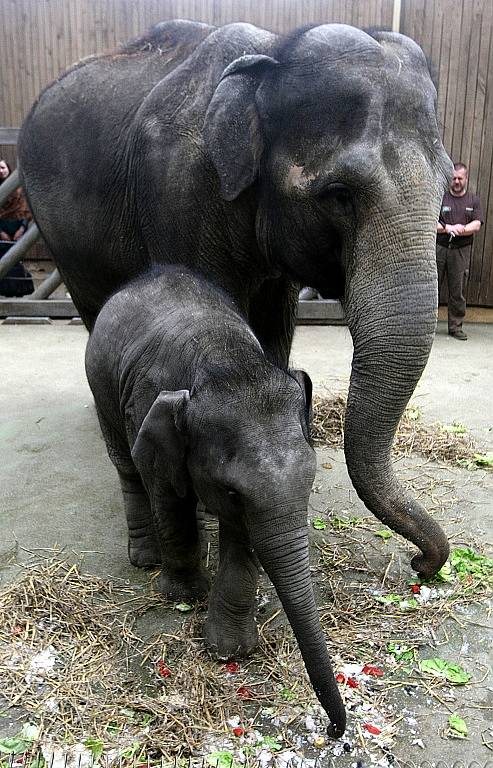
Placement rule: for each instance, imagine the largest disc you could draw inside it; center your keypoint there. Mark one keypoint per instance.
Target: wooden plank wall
(40, 38)
(457, 37)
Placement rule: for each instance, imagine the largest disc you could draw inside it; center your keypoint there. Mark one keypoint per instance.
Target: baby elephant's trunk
(283, 552)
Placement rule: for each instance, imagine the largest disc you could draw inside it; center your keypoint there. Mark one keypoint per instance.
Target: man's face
(459, 182)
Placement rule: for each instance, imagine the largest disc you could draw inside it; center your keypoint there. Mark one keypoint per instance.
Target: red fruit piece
(373, 671)
(238, 731)
(163, 669)
(244, 693)
(349, 681)
(232, 666)
(415, 589)
(372, 729)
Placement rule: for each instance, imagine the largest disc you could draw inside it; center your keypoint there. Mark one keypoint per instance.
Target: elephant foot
(230, 640)
(185, 587)
(144, 552)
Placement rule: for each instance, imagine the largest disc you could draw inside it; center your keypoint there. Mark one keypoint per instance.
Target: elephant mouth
(331, 273)
(323, 265)
(316, 254)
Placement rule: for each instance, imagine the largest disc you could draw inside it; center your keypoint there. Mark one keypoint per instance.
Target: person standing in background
(14, 213)
(14, 219)
(460, 218)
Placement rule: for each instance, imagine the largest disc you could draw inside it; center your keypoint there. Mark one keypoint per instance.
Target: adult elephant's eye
(336, 191)
(338, 198)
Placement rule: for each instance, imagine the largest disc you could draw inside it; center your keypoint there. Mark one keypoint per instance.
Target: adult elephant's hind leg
(230, 629)
(144, 550)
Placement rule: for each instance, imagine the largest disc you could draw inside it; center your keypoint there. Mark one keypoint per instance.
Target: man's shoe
(459, 335)
(309, 294)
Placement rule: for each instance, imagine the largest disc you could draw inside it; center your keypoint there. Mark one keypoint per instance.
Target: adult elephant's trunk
(283, 552)
(391, 309)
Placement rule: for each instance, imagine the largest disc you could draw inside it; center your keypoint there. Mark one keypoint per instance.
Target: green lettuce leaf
(458, 726)
(441, 668)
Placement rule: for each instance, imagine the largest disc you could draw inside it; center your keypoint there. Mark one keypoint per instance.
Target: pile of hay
(433, 441)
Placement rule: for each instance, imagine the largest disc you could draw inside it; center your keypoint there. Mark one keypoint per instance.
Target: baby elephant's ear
(306, 386)
(159, 449)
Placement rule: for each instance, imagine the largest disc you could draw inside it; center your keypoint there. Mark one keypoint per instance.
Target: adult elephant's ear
(159, 449)
(306, 386)
(231, 128)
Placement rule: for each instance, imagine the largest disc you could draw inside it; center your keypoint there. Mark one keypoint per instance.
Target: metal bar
(8, 135)
(44, 307)
(18, 250)
(47, 286)
(324, 312)
(9, 185)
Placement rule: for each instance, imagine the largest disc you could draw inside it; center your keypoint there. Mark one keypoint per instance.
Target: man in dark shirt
(460, 217)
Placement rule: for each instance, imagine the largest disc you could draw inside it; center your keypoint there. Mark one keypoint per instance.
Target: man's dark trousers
(454, 262)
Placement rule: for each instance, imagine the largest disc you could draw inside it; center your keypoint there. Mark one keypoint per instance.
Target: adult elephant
(265, 163)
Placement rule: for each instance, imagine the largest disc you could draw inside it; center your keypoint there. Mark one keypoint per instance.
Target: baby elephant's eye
(233, 496)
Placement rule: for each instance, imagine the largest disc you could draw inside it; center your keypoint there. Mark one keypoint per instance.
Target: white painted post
(396, 16)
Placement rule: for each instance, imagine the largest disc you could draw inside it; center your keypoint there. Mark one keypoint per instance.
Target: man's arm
(472, 227)
(454, 229)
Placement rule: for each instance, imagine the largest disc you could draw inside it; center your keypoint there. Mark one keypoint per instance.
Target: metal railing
(37, 303)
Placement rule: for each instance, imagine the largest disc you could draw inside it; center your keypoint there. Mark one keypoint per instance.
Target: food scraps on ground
(373, 729)
(372, 671)
(162, 669)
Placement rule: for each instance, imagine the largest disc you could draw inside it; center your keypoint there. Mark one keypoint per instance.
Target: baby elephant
(190, 409)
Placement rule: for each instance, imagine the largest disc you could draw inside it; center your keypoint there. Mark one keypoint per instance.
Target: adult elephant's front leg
(272, 316)
(230, 628)
(182, 576)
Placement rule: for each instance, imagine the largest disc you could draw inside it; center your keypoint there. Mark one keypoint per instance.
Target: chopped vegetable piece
(441, 668)
(244, 693)
(162, 669)
(183, 607)
(372, 729)
(384, 534)
(458, 726)
(372, 671)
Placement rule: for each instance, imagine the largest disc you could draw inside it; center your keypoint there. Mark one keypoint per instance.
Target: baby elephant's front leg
(182, 576)
(143, 545)
(230, 628)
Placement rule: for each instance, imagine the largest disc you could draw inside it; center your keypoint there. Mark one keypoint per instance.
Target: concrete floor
(59, 488)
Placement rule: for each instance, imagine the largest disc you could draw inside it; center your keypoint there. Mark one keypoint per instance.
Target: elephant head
(338, 130)
(245, 451)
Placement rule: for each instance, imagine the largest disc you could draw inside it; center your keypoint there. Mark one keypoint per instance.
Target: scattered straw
(433, 441)
(105, 682)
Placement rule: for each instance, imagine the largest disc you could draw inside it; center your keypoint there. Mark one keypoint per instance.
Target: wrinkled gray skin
(191, 408)
(263, 163)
